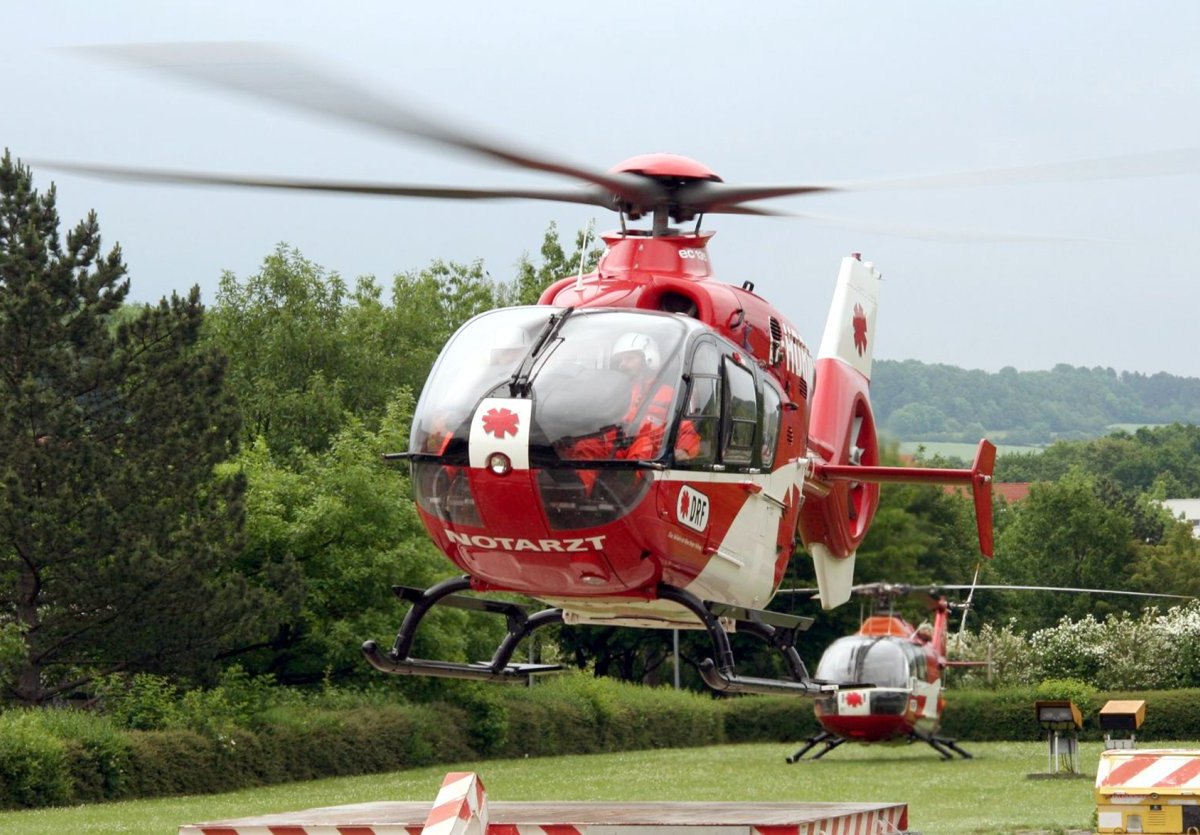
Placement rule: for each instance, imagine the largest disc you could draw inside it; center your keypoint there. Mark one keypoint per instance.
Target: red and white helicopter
(888, 676)
(648, 445)
(672, 499)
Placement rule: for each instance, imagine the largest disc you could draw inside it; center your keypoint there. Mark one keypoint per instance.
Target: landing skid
(521, 624)
(831, 741)
(938, 743)
(774, 628)
(942, 745)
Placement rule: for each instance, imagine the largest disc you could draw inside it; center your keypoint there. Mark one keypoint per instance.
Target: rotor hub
(667, 167)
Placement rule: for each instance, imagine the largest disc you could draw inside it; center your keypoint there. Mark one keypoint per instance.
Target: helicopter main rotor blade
(1154, 164)
(940, 234)
(590, 197)
(711, 196)
(278, 75)
(275, 74)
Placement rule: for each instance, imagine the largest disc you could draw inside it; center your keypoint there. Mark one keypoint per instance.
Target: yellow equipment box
(1148, 791)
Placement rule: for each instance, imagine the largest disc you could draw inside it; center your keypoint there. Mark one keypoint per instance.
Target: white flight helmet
(641, 343)
(509, 343)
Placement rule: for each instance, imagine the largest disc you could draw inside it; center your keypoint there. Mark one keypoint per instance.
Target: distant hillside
(917, 401)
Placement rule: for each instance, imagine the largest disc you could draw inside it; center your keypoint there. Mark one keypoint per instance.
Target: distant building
(1011, 491)
(1189, 509)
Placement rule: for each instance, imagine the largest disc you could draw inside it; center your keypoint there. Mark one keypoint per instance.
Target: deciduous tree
(1064, 534)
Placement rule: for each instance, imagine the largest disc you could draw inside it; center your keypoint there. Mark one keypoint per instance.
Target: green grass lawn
(989, 794)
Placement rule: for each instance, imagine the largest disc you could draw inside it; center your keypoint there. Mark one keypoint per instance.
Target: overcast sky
(779, 92)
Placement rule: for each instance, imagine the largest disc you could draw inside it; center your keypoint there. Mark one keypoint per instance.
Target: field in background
(966, 452)
(989, 794)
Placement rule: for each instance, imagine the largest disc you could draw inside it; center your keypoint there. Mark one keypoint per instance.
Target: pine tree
(118, 540)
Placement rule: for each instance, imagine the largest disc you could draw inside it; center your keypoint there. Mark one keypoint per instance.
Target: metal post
(675, 643)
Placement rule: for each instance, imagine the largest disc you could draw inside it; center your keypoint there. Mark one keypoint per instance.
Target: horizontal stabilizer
(978, 478)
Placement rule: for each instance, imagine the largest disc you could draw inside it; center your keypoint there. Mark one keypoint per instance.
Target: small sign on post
(1063, 721)
(1121, 715)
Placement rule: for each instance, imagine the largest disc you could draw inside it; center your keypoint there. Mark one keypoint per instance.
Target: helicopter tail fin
(850, 329)
(834, 518)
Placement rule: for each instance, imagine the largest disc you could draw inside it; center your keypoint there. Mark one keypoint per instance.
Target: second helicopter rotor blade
(1073, 590)
(281, 76)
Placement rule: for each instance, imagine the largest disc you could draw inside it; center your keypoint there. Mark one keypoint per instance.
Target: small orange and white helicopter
(888, 676)
(647, 446)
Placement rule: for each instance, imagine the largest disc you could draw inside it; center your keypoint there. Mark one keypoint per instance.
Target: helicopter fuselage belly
(871, 714)
(870, 728)
(717, 535)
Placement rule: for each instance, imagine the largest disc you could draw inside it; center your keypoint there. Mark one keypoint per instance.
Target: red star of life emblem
(500, 422)
(854, 699)
(683, 503)
(860, 329)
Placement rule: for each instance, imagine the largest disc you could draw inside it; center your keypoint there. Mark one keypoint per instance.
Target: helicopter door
(926, 696)
(703, 413)
(747, 550)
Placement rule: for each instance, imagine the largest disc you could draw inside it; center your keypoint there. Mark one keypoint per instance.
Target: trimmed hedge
(1002, 715)
(53, 757)
(769, 719)
(584, 715)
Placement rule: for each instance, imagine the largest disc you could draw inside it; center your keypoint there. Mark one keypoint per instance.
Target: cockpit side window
(772, 412)
(704, 401)
(742, 410)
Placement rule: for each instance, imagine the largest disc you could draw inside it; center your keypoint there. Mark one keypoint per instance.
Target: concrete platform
(463, 809)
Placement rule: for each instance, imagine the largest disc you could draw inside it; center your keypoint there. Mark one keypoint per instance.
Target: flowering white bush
(1004, 652)
(1072, 649)
(1149, 651)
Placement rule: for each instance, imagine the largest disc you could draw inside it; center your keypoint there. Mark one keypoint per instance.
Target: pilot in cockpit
(637, 356)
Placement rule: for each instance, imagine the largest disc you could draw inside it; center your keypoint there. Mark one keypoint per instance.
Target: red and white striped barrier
(460, 807)
(1139, 772)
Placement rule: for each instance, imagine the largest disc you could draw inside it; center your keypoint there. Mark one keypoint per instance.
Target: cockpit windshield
(882, 662)
(604, 383)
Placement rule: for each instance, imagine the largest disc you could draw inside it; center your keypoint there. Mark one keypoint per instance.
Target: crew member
(646, 420)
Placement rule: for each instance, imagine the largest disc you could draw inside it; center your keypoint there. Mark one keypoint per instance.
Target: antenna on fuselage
(587, 234)
(962, 624)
